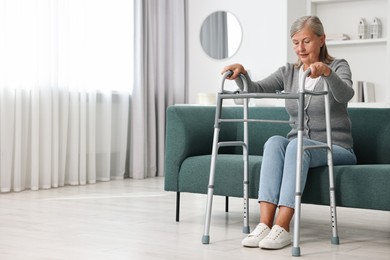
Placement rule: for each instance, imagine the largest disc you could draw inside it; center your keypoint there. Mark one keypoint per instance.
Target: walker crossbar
(244, 95)
(233, 143)
(260, 95)
(257, 120)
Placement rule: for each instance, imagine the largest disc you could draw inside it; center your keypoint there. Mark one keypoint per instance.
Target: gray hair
(315, 24)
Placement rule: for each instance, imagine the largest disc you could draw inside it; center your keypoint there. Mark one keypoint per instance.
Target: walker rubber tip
(205, 239)
(296, 251)
(335, 240)
(246, 230)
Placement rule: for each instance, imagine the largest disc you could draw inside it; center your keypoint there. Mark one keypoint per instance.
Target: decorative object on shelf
(375, 28)
(206, 99)
(362, 29)
(364, 92)
(337, 37)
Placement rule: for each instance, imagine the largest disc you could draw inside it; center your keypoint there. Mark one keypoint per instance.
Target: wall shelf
(332, 1)
(369, 59)
(356, 42)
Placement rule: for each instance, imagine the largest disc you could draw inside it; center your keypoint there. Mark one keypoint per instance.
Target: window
(86, 44)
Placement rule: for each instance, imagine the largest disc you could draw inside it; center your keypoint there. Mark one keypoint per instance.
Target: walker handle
(227, 74)
(303, 80)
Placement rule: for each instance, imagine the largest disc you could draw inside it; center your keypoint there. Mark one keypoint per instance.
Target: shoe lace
(260, 229)
(274, 234)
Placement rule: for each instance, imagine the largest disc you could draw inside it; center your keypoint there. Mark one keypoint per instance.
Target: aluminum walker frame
(245, 96)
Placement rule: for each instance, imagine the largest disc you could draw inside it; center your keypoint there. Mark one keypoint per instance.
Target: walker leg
(335, 238)
(296, 251)
(333, 215)
(246, 229)
(210, 192)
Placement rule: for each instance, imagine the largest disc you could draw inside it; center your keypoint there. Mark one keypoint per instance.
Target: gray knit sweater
(341, 91)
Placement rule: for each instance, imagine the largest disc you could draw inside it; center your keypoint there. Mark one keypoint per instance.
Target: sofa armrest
(189, 131)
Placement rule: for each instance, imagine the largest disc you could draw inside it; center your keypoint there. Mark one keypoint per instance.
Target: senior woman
(277, 174)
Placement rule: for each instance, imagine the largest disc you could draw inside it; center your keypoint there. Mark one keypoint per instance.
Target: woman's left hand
(319, 69)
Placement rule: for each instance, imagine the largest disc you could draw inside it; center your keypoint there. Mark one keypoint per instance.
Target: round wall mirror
(221, 35)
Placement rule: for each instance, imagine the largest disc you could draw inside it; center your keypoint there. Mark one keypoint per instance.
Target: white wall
(265, 41)
(368, 61)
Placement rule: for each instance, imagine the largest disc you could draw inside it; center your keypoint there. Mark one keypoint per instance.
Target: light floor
(135, 219)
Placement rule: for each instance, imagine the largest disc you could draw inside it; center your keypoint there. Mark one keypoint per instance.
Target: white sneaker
(253, 239)
(276, 239)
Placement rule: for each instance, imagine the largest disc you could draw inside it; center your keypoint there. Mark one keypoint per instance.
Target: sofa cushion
(195, 170)
(357, 186)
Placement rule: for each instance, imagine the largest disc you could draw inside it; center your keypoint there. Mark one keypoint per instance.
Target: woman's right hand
(236, 68)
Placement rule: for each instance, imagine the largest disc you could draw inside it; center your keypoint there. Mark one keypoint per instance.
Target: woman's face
(307, 46)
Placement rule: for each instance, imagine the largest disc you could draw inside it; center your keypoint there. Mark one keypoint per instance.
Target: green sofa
(189, 137)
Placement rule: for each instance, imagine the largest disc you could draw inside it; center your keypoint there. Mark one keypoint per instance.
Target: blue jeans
(277, 175)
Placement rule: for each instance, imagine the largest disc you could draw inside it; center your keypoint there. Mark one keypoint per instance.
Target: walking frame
(300, 96)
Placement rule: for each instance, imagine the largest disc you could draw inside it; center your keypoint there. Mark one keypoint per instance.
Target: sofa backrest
(371, 134)
(370, 130)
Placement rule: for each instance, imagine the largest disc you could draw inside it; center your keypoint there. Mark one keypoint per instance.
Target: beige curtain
(160, 80)
(61, 122)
